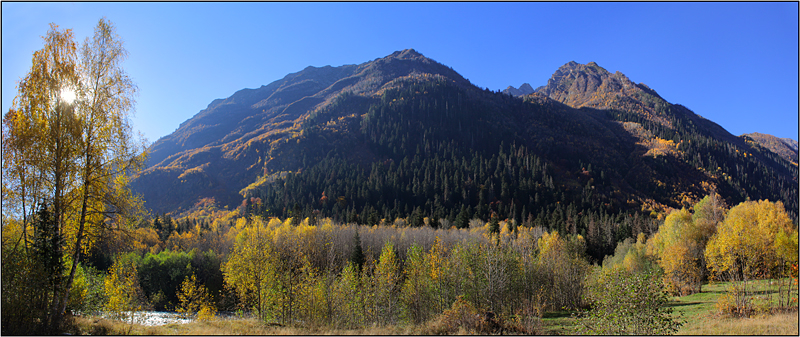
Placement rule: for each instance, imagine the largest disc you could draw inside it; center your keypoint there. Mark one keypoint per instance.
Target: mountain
(226, 146)
(747, 170)
(784, 147)
(523, 90)
(405, 136)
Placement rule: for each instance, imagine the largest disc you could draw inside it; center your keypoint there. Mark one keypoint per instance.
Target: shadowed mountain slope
(405, 136)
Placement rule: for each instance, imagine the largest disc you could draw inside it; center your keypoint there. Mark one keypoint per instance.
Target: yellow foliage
(195, 300)
(146, 237)
(549, 243)
(436, 258)
(251, 267)
(747, 241)
(122, 289)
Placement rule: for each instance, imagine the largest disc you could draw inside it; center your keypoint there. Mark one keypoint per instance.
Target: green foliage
(33, 276)
(347, 298)
(357, 256)
(160, 276)
(417, 292)
(624, 302)
(88, 291)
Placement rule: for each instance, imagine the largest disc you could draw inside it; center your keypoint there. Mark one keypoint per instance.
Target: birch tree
(108, 152)
(67, 141)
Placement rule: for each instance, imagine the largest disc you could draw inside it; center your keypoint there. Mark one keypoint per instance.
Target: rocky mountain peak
(590, 85)
(406, 54)
(524, 89)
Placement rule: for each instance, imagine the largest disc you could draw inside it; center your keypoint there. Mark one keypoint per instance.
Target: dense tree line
(439, 152)
(432, 148)
(323, 273)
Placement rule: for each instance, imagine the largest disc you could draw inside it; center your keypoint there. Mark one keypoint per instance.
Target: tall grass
(777, 324)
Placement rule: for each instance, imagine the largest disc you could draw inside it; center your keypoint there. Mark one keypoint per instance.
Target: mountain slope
(227, 145)
(404, 136)
(784, 147)
(740, 168)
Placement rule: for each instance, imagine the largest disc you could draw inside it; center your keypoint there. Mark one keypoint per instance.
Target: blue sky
(733, 63)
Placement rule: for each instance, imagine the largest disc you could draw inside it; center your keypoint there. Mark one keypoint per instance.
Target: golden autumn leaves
(68, 144)
(753, 240)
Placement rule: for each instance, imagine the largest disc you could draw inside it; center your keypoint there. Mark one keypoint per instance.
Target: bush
(625, 302)
(464, 315)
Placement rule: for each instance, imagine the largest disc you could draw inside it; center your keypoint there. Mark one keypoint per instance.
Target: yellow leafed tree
(75, 111)
(195, 300)
(752, 243)
(745, 243)
(123, 290)
(680, 253)
(250, 269)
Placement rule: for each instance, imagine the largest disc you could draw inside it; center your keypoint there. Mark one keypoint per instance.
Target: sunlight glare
(68, 95)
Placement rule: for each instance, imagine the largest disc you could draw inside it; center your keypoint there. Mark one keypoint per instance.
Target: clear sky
(733, 63)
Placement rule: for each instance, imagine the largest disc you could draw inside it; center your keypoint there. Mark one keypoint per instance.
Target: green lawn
(559, 323)
(699, 312)
(701, 315)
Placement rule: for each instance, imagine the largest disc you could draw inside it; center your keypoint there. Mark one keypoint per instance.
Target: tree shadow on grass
(682, 304)
(558, 314)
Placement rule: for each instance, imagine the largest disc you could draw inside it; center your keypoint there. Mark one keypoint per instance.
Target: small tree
(387, 285)
(251, 268)
(416, 295)
(357, 255)
(195, 301)
(122, 287)
(625, 302)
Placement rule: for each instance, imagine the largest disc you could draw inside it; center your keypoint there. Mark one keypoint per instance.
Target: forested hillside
(403, 136)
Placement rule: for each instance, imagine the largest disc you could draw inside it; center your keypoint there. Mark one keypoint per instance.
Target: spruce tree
(357, 256)
(462, 220)
(48, 258)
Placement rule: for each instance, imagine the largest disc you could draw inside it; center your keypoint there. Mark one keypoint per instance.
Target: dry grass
(91, 325)
(777, 324)
(703, 318)
(700, 321)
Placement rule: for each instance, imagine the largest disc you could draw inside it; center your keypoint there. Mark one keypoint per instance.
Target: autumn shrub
(463, 315)
(125, 296)
(562, 266)
(624, 302)
(195, 301)
(527, 320)
(734, 304)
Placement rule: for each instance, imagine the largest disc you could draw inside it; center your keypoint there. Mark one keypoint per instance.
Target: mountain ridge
(647, 153)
